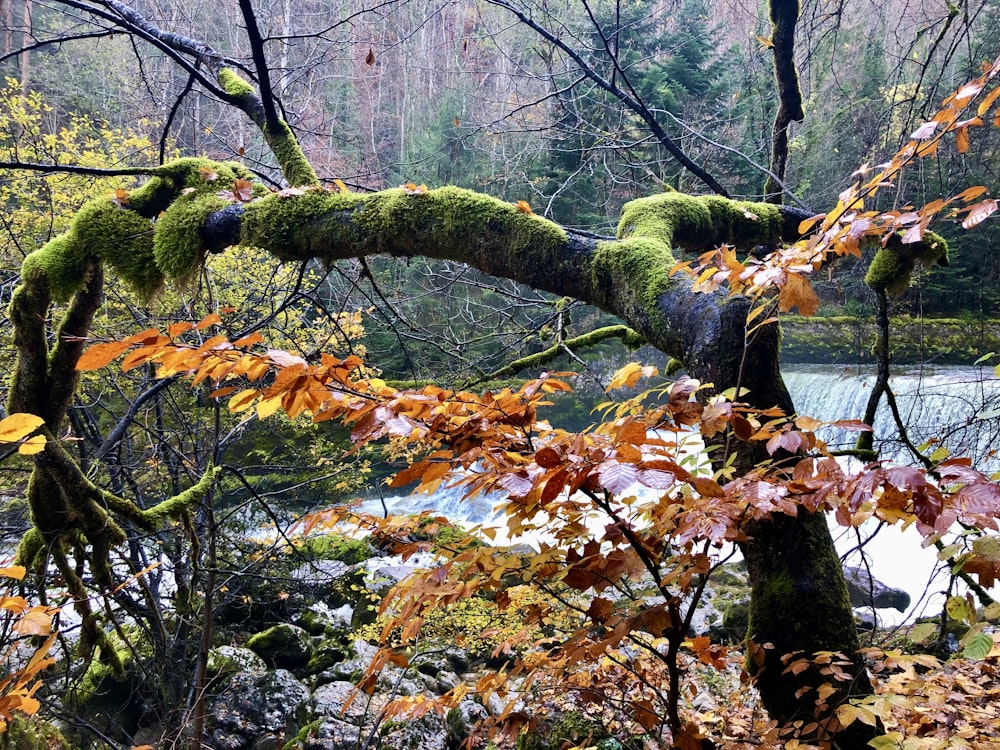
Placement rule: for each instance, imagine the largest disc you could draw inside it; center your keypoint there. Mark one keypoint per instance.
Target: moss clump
(892, 268)
(122, 233)
(178, 247)
(573, 729)
(283, 646)
(447, 223)
(233, 84)
(335, 547)
(32, 733)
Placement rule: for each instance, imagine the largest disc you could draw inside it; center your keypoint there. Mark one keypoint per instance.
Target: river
(955, 408)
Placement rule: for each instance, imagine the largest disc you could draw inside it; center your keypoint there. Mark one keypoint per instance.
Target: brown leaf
(370, 57)
(547, 458)
(798, 292)
(979, 213)
(243, 190)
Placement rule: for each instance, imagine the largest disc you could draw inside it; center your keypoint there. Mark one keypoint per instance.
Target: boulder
(284, 646)
(255, 706)
(866, 591)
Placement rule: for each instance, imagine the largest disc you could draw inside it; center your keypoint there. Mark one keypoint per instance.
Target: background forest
(557, 107)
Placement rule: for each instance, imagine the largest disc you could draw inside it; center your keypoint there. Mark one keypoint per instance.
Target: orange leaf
(798, 292)
(100, 355)
(523, 207)
(36, 621)
(14, 571)
(176, 329)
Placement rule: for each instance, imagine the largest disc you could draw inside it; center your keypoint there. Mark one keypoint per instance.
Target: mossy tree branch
(629, 277)
(583, 341)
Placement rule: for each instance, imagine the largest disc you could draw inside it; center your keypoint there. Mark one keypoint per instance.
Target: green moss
(123, 235)
(178, 247)
(330, 226)
(61, 262)
(233, 84)
(182, 502)
(335, 547)
(293, 162)
(639, 264)
(573, 729)
(283, 646)
(120, 237)
(893, 265)
(32, 733)
(307, 732)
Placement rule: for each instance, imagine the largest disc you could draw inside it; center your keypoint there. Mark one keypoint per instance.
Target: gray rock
(254, 704)
(448, 680)
(231, 659)
(426, 733)
(330, 700)
(330, 734)
(866, 591)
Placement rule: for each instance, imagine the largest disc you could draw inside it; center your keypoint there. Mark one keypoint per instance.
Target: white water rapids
(953, 407)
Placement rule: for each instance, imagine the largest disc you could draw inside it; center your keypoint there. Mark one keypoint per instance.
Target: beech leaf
(17, 426)
(616, 477)
(100, 355)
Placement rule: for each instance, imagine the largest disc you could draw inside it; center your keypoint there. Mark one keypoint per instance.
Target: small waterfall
(447, 502)
(953, 407)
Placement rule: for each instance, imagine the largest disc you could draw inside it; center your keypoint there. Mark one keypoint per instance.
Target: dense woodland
(142, 516)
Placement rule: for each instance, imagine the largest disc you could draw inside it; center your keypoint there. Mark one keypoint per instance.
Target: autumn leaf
(36, 621)
(616, 477)
(13, 571)
(798, 292)
(524, 207)
(17, 426)
(243, 190)
(370, 57)
(31, 446)
(979, 213)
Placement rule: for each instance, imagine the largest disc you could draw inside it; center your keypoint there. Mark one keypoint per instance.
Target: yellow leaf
(846, 714)
(14, 571)
(523, 207)
(31, 446)
(242, 400)
(764, 43)
(17, 426)
(268, 407)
